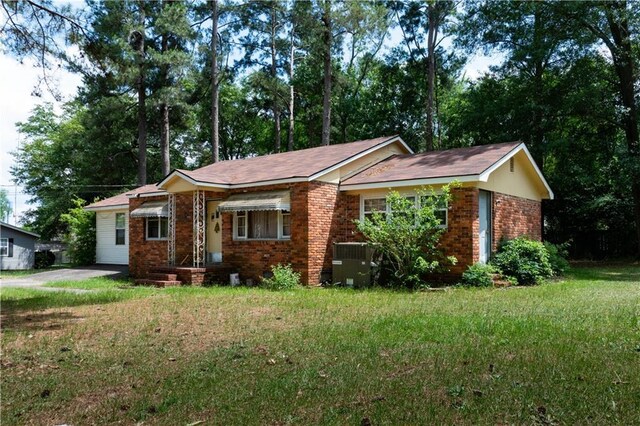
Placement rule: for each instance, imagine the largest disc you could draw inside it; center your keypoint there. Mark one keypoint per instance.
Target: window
(157, 228)
(120, 229)
(262, 225)
(4, 247)
(369, 205)
(440, 212)
(241, 224)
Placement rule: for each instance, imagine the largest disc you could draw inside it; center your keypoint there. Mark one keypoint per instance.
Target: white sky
(17, 81)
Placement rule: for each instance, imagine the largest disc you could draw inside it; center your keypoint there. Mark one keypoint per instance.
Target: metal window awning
(152, 209)
(279, 200)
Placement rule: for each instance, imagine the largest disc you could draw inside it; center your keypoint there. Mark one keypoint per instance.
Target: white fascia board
(484, 176)
(183, 176)
(269, 182)
(360, 155)
(149, 194)
(412, 182)
(105, 208)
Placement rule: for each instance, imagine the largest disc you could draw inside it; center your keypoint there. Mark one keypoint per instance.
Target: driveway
(72, 274)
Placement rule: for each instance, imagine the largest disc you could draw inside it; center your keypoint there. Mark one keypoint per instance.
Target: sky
(17, 81)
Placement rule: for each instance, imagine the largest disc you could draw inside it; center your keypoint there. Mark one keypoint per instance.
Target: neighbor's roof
(302, 164)
(15, 228)
(458, 162)
(122, 200)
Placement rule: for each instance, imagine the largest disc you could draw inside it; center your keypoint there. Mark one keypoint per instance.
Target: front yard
(563, 352)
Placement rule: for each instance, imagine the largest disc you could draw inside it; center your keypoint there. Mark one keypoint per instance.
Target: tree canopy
(176, 84)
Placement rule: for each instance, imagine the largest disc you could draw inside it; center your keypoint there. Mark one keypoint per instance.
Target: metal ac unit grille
(352, 264)
(350, 251)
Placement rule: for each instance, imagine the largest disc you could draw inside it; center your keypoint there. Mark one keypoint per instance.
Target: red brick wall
(253, 258)
(461, 237)
(143, 255)
(515, 217)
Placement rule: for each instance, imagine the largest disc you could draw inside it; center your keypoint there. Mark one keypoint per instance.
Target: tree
(613, 24)
(81, 234)
(406, 235)
(419, 21)
(5, 206)
(265, 51)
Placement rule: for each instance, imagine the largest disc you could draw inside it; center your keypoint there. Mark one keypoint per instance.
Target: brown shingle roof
(436, 164)
(287, 165)
(123, 199)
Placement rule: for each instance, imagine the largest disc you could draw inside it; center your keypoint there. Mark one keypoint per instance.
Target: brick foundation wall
(515, 217)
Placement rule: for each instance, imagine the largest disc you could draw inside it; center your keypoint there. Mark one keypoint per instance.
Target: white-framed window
(120, 229)
(379, 203)
(157, 228)
(262, 225)
(4, 247)
(370, 205)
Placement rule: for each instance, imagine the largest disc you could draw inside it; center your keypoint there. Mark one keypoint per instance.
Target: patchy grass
(563, 352)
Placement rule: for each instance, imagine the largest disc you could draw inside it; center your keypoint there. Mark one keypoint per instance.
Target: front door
(485, 226)
(214, 233)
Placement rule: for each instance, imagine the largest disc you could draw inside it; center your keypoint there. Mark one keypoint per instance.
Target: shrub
(81, 235)
(479, 275)
(406, 239)
(284, 278)
(558, 254)
(525, 260)
(44, 259)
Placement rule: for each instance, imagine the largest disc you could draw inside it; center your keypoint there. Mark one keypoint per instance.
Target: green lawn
(566, 352)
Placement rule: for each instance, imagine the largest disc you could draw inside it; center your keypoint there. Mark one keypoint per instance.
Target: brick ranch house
(245, 215)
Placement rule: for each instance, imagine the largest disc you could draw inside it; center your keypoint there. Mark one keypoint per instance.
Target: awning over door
(279, 200)
(152, 209)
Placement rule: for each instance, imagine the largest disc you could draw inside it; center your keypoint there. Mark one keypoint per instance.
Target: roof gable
(18, 229)
(122, 200)
(472, 164)
(302, 165)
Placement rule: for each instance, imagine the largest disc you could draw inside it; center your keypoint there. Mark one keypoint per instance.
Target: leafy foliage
(81, 237)
(5, 206)
(406, 235)
(284, 278)
(524, 259)
(479, 275)
(557, 257)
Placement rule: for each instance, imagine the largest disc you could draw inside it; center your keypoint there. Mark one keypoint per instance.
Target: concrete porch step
(500, 281)
(161, 276)
(158, 283)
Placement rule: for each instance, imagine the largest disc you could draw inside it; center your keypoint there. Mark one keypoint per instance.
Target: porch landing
(167, 276)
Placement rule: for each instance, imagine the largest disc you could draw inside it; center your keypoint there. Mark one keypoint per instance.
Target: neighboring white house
(112, 225)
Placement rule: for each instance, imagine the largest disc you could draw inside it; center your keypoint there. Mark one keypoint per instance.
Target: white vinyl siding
(107, 251)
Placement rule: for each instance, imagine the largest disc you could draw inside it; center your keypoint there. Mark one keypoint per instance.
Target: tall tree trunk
(622, 54)
(291, 93)
(215, 85)
(274, 76)
(327, 41)
(431, 73)
(164, 111)
(142, 102)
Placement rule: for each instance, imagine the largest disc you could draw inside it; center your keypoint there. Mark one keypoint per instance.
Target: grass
(563, 352)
